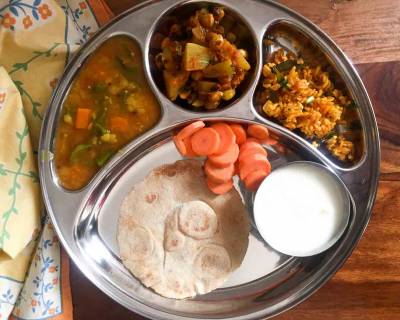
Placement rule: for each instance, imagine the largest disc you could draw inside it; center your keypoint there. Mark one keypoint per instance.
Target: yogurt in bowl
(301, 209)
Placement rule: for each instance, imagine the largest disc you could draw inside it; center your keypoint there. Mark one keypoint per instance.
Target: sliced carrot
(250, 145)
(229, 157)
(82, 118)
(119, 124)
(220, 188)
(226, 135)
(251, 149)
(252, 139)
(236, 168)
(190, 129)
(252, 163)
(254, 179)
(239, 132)
(219, 175)
(205, 141)
(189, 150)
(271, 141)
(253, 157)
(257, 131)
(180, 145)
(265, 141)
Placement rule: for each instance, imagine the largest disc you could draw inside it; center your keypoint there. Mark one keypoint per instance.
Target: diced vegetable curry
(108, 105)
(200, 61)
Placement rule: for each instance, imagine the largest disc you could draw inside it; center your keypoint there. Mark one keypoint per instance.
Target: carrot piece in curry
(82, 118)
(119, 124)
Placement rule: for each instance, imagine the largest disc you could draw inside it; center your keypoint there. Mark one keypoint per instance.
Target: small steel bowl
(260, 210)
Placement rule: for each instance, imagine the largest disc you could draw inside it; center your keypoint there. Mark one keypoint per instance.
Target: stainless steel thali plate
(268, 282)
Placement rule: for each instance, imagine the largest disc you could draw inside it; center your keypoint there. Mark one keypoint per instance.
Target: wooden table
(368, 286)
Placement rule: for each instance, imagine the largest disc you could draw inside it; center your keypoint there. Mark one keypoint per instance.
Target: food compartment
(203, 56)
(265, 275)
(301, 88)
(108, 104)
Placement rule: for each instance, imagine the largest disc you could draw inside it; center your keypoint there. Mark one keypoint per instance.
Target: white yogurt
(301, 209)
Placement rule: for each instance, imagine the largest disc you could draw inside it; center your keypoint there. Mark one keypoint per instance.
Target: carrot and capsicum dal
(108, 105)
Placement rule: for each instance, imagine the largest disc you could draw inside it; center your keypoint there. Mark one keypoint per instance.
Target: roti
(179, 238)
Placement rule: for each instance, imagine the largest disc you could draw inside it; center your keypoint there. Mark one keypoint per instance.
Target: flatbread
(176, 236)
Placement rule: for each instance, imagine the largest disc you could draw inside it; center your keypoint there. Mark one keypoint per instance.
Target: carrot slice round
(252, 139)
(226, 135)
(236, 168)
(227, 158)
(219, 188)
(189, 150)
(239, 132)
(251, 149)
(219, 175)
(180, 145)
(271, 141)
(250, 145)
(254, 179)
(252, 163)
(205, 141)
(257, 131)
(190, 129)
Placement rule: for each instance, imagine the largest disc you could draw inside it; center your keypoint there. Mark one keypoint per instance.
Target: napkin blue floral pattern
(40, 296)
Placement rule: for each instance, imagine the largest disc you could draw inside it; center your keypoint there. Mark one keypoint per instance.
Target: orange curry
(108, 105)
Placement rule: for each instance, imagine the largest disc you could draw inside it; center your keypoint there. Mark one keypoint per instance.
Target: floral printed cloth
(37, 38)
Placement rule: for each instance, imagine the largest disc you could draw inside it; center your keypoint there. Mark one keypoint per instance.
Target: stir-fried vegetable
(195, 57)
(174, 82)
(200, 61)
(219, 70)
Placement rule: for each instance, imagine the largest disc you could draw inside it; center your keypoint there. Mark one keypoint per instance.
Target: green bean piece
(99, 88)
(78, 151)
(102, 159)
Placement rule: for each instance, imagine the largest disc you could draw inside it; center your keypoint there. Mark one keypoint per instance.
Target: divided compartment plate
(268, 282)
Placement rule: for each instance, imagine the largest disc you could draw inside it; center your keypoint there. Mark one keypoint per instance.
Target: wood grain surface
(368, 285)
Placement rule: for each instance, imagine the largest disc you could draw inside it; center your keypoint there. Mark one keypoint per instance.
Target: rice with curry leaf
(303, 97)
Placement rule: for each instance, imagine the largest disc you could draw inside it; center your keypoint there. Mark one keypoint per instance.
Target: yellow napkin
(37, 37)
(19, 188)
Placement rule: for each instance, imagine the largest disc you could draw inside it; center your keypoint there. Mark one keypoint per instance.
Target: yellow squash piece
(199, 35)
(195, 57)
(242, 62)
(222, 69)
(168, 59)
(206, 86)
(174, 82)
